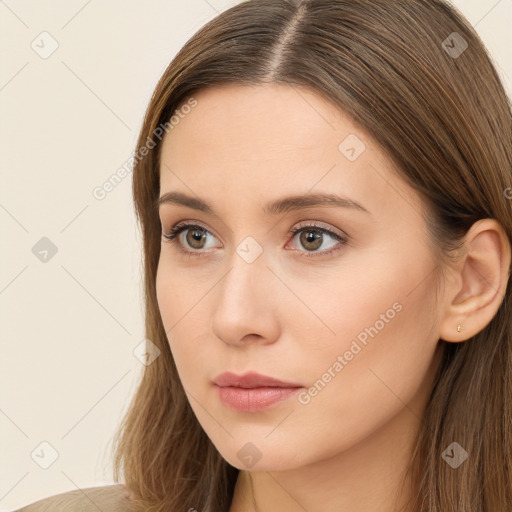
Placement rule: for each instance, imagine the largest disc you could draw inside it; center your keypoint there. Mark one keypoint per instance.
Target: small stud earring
(459, 328)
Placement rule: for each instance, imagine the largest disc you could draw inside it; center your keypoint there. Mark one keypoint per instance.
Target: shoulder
(111, 498)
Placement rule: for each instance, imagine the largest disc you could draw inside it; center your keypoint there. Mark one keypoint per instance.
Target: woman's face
(344, 308)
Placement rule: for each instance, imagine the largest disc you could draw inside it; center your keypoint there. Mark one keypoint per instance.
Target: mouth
(253, 392)
(252, 380)
(253, 399)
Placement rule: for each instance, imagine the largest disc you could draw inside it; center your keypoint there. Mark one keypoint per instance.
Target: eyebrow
(280, 206)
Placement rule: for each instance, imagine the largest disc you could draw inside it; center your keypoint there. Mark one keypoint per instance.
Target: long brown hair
(434, 102)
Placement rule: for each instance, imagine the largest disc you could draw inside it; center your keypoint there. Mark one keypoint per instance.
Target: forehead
(243, 143)
(270, 119)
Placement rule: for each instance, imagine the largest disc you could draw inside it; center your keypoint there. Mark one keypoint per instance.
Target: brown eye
(190, 238)
(311, 240)
(196, 238)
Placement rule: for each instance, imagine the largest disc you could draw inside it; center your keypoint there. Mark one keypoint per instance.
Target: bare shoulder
(108, 498)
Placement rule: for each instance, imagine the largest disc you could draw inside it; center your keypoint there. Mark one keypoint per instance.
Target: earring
(459, 328)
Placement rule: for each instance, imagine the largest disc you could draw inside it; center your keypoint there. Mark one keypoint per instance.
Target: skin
(290, 316)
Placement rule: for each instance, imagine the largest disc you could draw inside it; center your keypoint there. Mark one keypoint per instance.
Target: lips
(251, 380)
(253, 392)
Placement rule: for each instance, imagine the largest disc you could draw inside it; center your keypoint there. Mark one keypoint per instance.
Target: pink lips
(252, 392)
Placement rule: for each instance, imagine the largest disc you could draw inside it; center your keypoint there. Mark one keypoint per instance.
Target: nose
(245, 310)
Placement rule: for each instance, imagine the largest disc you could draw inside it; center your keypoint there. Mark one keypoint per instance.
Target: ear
(477, 282)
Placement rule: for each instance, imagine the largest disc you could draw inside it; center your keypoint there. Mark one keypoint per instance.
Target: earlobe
(482, 273)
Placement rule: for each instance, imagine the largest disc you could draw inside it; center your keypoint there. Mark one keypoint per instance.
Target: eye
(312, 237)
(193, 238)
(189, 235)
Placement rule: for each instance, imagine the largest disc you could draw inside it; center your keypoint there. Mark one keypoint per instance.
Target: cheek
(381, 353)
(359, 298)
(180, 290)
(174, 300)
(182, 296)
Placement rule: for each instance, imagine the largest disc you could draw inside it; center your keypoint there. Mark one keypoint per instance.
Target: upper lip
(251, 380)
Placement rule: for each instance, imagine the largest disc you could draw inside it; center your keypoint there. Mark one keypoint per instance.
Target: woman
(324, 190)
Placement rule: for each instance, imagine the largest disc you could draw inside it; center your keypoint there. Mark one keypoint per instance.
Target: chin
(259, 456)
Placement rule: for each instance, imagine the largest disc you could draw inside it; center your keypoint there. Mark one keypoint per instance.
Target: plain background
(70, 324)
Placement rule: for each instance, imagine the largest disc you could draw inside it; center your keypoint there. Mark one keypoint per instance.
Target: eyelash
(179, 228)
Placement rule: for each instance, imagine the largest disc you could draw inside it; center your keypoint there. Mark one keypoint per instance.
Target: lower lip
(253, 399)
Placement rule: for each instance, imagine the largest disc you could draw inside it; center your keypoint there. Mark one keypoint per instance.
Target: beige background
(68, 122)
